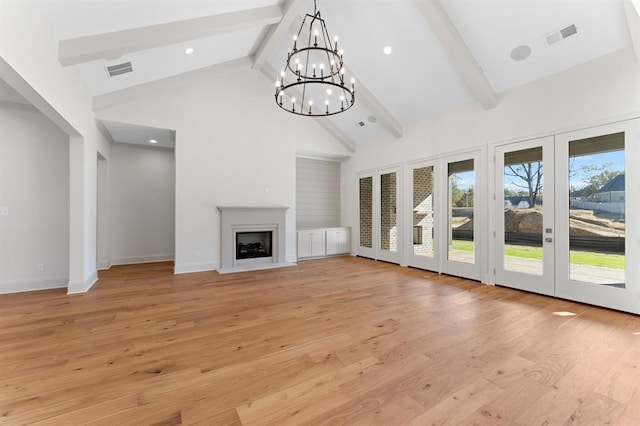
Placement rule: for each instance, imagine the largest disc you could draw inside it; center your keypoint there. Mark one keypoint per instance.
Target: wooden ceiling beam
(458, 52)
(84, 49)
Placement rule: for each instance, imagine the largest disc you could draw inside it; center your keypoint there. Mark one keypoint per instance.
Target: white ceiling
(446, 53)
(140, 135)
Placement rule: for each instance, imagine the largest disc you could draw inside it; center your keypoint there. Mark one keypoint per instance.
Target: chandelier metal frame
(299, 74)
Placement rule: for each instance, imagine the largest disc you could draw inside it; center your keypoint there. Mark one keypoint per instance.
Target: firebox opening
(251, 245)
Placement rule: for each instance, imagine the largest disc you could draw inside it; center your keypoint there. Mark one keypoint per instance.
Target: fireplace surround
(240, 223)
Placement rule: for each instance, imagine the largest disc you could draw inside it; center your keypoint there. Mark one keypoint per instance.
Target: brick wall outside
(388, 228)
(423, 210)
(366, 212)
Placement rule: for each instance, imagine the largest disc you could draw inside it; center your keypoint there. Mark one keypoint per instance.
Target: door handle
(549, 239)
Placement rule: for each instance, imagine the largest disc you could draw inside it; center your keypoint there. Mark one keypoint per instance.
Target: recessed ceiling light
(153, 141)
(372, 119)
(520, 53)
(387, 50)
(189, 50)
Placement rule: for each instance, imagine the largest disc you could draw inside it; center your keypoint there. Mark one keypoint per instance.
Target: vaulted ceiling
(445, 53)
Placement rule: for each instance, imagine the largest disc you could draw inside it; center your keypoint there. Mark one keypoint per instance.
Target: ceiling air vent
(118, 69)
(560, 35)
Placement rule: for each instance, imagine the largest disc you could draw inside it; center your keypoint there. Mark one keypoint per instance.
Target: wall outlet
(40, 267)
(4, 211)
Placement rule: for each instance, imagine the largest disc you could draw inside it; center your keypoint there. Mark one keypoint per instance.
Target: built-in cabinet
(318, 242)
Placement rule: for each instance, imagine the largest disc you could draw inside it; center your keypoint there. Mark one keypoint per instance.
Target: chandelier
(312, 82)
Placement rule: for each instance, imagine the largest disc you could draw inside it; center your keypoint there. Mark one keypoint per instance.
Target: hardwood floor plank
(460, 405)
(331, 341)
(597, 409)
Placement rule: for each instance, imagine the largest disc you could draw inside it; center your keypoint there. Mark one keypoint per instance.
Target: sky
(616, 158)
(466, 180)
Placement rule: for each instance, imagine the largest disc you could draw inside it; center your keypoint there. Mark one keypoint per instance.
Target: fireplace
(252, 238)
(252, 245)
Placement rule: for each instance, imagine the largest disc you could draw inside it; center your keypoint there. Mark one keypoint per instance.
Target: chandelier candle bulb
(335, 40)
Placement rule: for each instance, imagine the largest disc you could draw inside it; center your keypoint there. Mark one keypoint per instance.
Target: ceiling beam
(100, 46)
(385, 118)
(291, 13)
(458, 52)
(363, 94)
(329, 126)
(151, 88)
(632, 13)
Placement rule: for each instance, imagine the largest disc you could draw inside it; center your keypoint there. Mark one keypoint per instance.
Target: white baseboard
(254, 267)
(104, 265)
(185, 268)
(20, 286)
(76, 287)
(142, 259)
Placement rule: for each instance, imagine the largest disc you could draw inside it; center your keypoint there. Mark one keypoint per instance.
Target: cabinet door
(317, 243)
(338, 241)
(304, 244)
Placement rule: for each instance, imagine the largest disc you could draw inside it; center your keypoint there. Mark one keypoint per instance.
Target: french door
(524, 206)
(462, 241)
(379, 218)
(597, 250)
(422, 180)
(561, 223)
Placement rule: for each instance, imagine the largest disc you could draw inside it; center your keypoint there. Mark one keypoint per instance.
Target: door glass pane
(523, 197)
(461, 201)
(388, 228)
(423, 211)
(366, 212)
(597, 210)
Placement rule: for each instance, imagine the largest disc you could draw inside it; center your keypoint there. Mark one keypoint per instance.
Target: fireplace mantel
(248, 219)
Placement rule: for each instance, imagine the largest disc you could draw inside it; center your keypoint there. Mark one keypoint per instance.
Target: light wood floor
(336, 341)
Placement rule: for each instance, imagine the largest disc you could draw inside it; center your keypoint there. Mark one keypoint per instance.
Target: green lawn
(614, 261)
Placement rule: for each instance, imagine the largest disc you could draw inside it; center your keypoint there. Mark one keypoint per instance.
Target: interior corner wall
(596, 92)
(60, 94)
(234, 147)
(102, 213)
(142, 200)
(34, 194)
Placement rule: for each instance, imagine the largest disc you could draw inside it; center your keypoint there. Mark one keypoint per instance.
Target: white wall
(34, 186)
(141, 199)
(234, 147)
(60, 95)
(597, 92)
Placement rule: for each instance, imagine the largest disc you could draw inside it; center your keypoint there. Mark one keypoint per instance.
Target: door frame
(422, 262)
(376, 252)
(473, 271)
(545, 283)
(387, 255)
(624, 299)
(369, 252)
